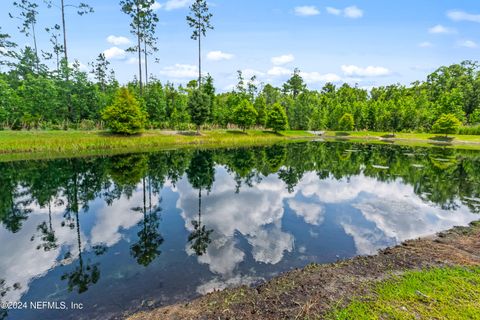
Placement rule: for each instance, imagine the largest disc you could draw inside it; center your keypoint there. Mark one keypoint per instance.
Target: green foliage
(125, 116)
(199, 107)
(475, 117)
(446, 124)
(277, 118)
(346, 122)
(261, 108)
(244, 115)
(317, 121)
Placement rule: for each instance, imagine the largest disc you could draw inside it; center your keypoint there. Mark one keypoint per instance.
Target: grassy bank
(16, 145)
(408, 139)
(437, 277)
(21, 145)
(440, 293)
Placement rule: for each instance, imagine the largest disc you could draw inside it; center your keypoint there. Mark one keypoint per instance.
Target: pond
(124, 233)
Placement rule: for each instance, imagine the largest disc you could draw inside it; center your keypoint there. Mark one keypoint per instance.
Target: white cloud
(439, 29)
(352, 12)
(425, 44)
(306, 11)
(156, 6)
(114, 53)
(334, 11)
(248, 73)
(468, 44)
(132, 60)
(370, 71)
(312, 213)
(279, 71)
(457, 15)
(118, 41)
(219, 55)
(175, 4)
(283, 59)
(315, 77)
(180, 71)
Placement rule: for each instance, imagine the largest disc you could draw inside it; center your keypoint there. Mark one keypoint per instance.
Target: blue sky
(369, 42)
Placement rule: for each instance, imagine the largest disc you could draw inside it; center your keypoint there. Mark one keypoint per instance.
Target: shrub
(446, 124)
(244, 115)
(199, 107)
(124, 116)
(346, 122)
(277, 118)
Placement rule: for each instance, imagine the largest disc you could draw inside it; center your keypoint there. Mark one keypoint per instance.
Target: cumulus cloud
(256, 213)
(156, 6)
(439, 29)
(219, 55)
(457, 15)
(283, 59)
(180, 71)
(173, 4)
(279, 71)
(315, 77)
(352, 12)
(114, 53)
(468, 44)
(306, 11)
(370, 71)
(312, 213)
(118, 41)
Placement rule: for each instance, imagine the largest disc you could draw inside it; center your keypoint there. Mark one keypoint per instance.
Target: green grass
(443, 293)
(16, 145)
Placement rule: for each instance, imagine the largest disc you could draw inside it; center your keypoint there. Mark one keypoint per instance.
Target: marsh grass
(27, 144)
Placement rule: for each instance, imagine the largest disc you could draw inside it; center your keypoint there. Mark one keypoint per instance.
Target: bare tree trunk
(35, 45)
(139, 44)
(64, 34)
(199, 56)
(146, 62)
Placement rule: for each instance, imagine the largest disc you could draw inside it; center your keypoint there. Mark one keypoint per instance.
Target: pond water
(123, 233)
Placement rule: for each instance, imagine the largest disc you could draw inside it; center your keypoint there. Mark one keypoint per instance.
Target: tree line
(44, 89)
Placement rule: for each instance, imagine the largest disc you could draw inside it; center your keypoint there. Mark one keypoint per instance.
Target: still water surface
(118, 234)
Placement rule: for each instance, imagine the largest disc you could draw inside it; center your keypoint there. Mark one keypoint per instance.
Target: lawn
(443, 293)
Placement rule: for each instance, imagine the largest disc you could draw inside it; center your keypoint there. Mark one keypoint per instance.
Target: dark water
(118, 234)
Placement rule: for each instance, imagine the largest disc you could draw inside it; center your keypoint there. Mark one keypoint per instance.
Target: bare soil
(312, 292)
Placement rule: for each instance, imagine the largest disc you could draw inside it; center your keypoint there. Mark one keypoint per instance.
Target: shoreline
(38, 145)
(318, 290)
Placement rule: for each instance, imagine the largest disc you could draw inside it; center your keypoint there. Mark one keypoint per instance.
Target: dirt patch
(316, 289)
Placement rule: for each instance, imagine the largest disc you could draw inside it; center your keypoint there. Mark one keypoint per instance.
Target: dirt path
(314, 290)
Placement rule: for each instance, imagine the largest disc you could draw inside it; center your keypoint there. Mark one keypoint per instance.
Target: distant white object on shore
(317, 133)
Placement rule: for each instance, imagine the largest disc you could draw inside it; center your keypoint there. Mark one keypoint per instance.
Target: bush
(277, 118)
(125, 116)
(446, 124)
(346, 122)
(244, 115)
(199, 107)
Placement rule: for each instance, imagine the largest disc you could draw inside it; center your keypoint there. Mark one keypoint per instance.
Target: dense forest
(44, 88)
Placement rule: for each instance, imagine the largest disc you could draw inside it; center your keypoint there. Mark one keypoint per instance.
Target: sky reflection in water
(126, 232)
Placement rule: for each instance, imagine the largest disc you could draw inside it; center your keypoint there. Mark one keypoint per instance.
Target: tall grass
(473, 130)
